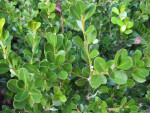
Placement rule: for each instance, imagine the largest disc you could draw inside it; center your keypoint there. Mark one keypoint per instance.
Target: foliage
(70, 60)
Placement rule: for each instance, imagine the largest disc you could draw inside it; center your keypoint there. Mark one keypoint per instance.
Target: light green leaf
(20, 96)
(119, 77)
(100, 64)
(123, 15)
(89, 30)
(63, 98)
(78, 41)
(63, 75)
(91, 36)
(32, 24)
(81, 6)
(128, 31)
(60, 59)
(12, 85)
(97, 80)
(120, 54)
(2, 22)
(89, 11)
(36, 95)
(123, 28)
(115, 10)
(114, 20)
(130, 24)
(123, 101)
(52, 39)
(120, 23)
(75, 12)
(94, 53)
(24, 75)
(125, 63)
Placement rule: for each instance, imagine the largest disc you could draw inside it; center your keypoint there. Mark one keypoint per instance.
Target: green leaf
(119, 77)
(32, 24)
(2, 22)
(52, 7)
(20, 105)
(114, 20)
(100, 64)
(21, 84)
(81, 82)
(89, 30)
(78, 41)
(20, 96)
(52, 39)
(123, 101)
(140, 74)
(75, 12)
(51, 76)
(94, 53)
(4, 68)
(97, 80)
(63, 75)
(136, 57)
(115, 10)
(24, 75)
(123, 15)
(130, 24)
(130, 83)
(12, 85)
(63, 98)
(50, 56)
(60, 59)
(128, 31)
(103, 89)
(36, 95)
(104, 111)
(120, 23)
(89, 11)
(91, 36)
(81, 6)
(125, 63)
(142, 6)
(31, 68)
(120, 54)
(123, 28)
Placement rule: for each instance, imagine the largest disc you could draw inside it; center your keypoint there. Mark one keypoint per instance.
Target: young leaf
(128, 31)
(63, 98)
(123, 15)
(78, 41)
(32, 24)
(89, 30)
(114, 20)
(115, 10)
(89, 11)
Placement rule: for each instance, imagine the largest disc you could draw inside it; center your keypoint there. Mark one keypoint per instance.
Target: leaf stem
(33, 46)
(86, 45)
(5, 56)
